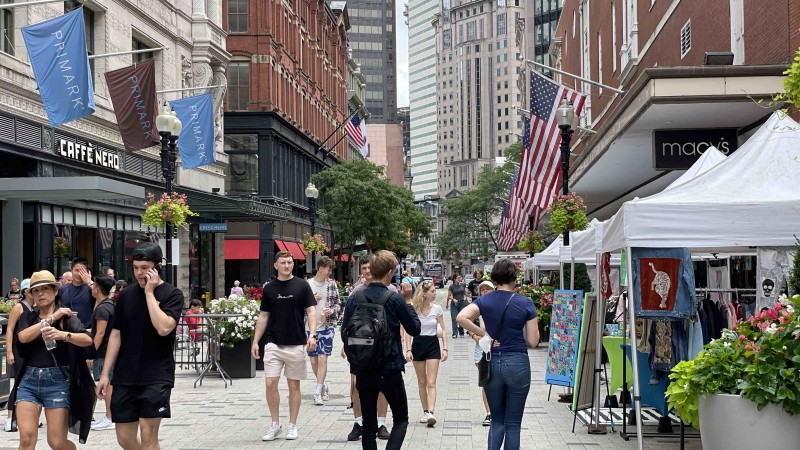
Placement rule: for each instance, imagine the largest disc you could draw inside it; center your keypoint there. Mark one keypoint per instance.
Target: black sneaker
(487, 422)
(383, 433)
(356, 433)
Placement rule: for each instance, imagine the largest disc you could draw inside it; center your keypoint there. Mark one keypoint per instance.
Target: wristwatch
(69, 336)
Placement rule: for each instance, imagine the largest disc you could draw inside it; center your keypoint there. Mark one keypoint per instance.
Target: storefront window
(62, 248)
(200, 262)
(241, 174)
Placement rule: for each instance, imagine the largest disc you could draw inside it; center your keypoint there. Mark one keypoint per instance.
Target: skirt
(426, 347)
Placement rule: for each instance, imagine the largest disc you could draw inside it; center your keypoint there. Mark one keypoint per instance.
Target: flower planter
(237, 361)
(732, 422)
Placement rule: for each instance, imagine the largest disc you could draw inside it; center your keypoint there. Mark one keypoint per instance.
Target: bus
(435, 270)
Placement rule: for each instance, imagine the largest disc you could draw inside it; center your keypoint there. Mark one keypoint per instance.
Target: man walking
(140, 351)
(327, 296)
(388, 378)
(285, 303)
(473, 285)
(77, 295)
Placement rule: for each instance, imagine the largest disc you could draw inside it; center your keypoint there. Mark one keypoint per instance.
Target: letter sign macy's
(88, 154)
(679, 149)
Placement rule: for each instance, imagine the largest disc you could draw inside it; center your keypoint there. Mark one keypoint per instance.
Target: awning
(241, 249)
(222, 207)
(68, 188)
(292, 247)
(345, 258)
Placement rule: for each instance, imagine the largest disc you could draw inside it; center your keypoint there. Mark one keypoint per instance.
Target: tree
(478, 209)
(359, 204)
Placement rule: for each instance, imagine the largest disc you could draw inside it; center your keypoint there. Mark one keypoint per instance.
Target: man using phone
(140, 351)
(77, 295)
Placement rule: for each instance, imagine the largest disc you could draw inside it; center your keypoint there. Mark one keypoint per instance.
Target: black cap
(149, 251)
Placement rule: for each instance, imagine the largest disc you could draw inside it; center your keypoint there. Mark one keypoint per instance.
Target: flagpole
(129, 52)
(38, 2)
(586, 80)
(321, 146)
(165, 91)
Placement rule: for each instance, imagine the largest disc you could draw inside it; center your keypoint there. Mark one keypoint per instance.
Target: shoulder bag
(485, 364)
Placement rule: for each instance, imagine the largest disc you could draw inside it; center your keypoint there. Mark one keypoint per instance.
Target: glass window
(139, 45)
(7, 29)
(501, 24)
(238, 85)
(237, 16)
(241, 177)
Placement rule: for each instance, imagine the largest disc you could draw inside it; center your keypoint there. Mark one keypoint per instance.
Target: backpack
(366, 336)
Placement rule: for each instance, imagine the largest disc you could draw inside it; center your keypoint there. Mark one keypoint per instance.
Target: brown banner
(133, 94)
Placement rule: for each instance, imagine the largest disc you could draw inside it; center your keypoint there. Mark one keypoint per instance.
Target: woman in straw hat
(48, 378)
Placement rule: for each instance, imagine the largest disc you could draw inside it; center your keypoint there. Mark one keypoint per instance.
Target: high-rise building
(372, 40)
(480, 73)
(404, 117)
(541, 22)
(422, 96)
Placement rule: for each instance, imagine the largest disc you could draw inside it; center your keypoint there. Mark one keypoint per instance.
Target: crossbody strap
(502, 320)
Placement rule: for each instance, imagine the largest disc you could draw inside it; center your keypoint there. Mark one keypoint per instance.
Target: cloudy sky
(402, 54)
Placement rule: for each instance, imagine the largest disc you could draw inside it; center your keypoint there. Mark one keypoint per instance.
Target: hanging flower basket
(314, 244)
(167, 208)
(533, 242)
(567, 213)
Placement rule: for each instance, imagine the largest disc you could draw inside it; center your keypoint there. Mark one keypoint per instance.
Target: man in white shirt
(328, 305)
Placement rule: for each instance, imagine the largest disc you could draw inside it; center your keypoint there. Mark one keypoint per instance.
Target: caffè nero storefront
(63, 196)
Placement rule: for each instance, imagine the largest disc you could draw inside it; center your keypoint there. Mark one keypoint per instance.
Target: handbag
(485, 364)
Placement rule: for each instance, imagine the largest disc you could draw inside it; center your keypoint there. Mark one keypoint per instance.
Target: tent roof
(710, 158)
(749, 199)
(548, 258)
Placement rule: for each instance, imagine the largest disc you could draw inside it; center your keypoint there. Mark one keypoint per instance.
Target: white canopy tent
(710, 158)
(549, 257)
(749, 199)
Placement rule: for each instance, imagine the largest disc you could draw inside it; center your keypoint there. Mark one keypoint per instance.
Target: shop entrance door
(84, 246)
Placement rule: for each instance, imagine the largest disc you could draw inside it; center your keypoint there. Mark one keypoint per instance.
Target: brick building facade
(656, 52)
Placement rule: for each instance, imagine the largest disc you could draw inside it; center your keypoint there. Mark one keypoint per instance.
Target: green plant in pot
(165, 209)
(567, 213)
(314, 243)
(754, 367)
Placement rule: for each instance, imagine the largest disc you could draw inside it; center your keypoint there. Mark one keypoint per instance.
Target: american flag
(357, 133)
(511, 229)
(540, 173)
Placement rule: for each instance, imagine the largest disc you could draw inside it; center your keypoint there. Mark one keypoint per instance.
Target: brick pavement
(213, 417)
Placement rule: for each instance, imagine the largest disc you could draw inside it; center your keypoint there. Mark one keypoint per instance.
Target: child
(484, 288)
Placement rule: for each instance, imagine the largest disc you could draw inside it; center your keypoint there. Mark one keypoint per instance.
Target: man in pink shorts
(285, 304)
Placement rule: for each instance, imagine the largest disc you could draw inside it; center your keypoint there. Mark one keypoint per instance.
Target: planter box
(237, 361)
(729, 422)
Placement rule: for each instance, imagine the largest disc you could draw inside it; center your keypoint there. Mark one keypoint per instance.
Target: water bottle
(49, 343)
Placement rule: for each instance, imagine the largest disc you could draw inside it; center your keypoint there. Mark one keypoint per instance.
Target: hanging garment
(661, 357)
(663, 282)
(695, 338)
(605, 276)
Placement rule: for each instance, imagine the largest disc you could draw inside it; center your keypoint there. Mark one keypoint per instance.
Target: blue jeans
(456, 308)
(44, 387)
(506, 393)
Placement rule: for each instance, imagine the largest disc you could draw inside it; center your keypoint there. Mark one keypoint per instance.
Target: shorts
(293, 357)
(131, 403)
(324, 342)
(45, 387)
(424, 348)
(97, 369)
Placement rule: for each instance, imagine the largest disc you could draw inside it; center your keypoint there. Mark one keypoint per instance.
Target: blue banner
(196, 142)
(57, 50)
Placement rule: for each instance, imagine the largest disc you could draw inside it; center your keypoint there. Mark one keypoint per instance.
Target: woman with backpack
(425, 352)
(504, 314)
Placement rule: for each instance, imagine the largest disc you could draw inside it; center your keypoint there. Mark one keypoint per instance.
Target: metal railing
(192, 343)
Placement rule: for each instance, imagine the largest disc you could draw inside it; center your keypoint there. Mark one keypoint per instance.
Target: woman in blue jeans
(457, 298)
(504, 315)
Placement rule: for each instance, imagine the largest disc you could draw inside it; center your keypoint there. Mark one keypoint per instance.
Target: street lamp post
(169, 128)
(312, 193)
(565, 117)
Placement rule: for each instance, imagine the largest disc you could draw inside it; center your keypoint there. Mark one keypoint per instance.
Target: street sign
(214, 227)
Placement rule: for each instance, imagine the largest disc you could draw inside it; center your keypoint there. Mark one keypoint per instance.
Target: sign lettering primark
(88, 154)
(679, 149)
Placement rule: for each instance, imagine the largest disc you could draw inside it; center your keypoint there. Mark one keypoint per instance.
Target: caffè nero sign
(679, 149)
(88, 154)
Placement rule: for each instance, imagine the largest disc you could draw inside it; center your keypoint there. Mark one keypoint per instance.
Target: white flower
(727, 344)
(772, 329)
(783, 299)
(790, 308)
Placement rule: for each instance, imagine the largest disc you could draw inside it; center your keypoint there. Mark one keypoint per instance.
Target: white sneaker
(291, 434)
(430, 420)
(424, 418)
(325, 394)
(7, 425)
(103, 424)
(318, 400)
(272, 433)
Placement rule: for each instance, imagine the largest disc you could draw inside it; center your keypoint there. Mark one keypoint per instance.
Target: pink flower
(742, 337)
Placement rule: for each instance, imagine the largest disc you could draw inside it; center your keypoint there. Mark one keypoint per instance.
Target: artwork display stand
(565, 323)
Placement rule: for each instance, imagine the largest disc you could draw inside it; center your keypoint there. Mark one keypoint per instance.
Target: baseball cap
(148, 251)
(486, 283)
(26, 284)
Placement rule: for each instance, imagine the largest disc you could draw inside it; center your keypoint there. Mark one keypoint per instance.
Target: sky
(402, 54)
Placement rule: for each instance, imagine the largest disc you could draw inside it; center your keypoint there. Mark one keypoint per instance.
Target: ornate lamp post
(169, 128)
(565, 118)
(312, 193)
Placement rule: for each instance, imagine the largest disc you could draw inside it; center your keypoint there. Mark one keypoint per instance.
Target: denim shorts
(45, 387)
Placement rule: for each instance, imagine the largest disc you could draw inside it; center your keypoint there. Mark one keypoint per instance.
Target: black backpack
(366, 336)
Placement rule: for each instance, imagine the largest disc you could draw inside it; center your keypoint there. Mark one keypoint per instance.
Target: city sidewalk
(213, 417)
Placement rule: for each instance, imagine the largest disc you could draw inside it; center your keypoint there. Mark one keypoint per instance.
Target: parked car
(468, 278)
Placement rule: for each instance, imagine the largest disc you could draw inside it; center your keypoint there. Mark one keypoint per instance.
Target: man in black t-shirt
(473, 285)
(140, 352)
(102, 319)
(285, 304)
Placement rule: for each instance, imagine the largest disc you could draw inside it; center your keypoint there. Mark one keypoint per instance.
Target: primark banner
(196, 142)
(57, 51)
(133, 94)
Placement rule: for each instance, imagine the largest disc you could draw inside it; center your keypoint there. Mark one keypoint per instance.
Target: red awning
(281, 245)
(241, 249)
(345, 258)
(295, 249)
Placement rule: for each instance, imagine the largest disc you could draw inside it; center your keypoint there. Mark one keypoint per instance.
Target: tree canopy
(360, 204)
(472, 217)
